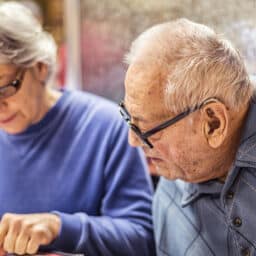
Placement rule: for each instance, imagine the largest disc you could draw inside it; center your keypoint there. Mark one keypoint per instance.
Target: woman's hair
(200, 64)
(23, 42)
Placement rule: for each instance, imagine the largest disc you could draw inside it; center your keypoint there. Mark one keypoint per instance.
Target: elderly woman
(68, 179)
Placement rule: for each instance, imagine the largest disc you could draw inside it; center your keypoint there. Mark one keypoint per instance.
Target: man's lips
(153, 159)
(9, 119)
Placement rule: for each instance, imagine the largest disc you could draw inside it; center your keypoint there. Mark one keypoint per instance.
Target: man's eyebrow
(135, 118)
(140, 119)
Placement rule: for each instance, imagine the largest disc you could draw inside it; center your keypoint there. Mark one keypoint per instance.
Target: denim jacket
(211, 218)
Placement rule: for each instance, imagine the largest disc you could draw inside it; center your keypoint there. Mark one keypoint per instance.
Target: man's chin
(156, 167)
(152, 169)
(166, 173)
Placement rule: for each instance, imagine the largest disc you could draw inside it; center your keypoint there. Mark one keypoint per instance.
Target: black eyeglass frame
(16, 84)
(145, 135)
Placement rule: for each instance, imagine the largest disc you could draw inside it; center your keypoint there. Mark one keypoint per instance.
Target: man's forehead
(144, 90)
(145, 79)
(146, 71)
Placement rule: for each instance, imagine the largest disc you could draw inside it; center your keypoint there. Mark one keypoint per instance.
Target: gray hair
(23, 42)
(200, 64)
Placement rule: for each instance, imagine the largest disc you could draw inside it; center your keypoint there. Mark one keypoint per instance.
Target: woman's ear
(41, 72)
(215, 123)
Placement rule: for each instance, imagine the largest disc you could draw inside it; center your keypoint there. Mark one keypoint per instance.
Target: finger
(22, 242)
(39, 236)
(3, 231)
(32, 246)
(2, 252)
(10, 238)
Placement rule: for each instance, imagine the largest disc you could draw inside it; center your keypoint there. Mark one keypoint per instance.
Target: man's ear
(215, 123)
(41, 71)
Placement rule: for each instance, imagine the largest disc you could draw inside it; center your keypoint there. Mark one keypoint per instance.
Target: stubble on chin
(167, 173)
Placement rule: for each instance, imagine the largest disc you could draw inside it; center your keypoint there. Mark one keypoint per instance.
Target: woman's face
(27, 105)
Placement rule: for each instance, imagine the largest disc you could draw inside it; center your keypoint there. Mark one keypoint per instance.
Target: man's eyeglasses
(12, 88)
(145, 135)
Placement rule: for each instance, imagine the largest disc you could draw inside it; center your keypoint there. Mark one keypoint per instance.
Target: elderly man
(189, 104)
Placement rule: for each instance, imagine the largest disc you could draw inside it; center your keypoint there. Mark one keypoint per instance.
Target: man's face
(180, 151)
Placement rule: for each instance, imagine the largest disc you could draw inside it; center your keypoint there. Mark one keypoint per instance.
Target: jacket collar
(246, 155)
(192, 191)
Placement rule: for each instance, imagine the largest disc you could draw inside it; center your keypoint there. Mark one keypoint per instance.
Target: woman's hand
(24, 233)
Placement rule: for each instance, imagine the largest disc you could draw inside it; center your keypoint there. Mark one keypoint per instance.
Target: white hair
(23, 42)
(200, 64)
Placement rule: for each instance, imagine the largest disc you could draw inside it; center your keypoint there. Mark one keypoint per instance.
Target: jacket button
(246, 252)
(237, 222)
(230, 195)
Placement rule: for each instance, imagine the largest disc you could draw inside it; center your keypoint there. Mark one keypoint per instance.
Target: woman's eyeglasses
(10, 89)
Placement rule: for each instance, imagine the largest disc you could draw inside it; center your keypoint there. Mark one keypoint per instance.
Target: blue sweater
(77, 163)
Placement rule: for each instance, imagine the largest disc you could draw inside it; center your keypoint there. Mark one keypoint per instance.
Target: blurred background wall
(110, 26)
